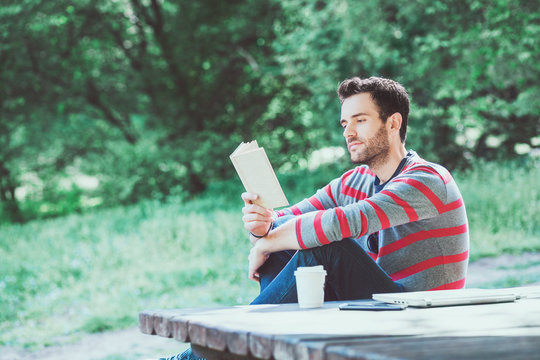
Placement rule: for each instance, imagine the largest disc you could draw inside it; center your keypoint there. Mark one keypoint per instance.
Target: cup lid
(310, 269)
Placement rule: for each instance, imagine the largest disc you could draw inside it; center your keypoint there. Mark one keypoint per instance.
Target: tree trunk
(10, 207)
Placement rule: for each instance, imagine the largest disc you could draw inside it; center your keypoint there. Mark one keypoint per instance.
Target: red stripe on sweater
(319, 230)
(354, 193)
(428, 264)
(280, 213)
(372, 255)
(419, 236)
(316, 203)
(349, 191)
(445, 176)
(426, 191)
(299, 234)
(329, 192)
(343, 223)
(454, 205)
(385, 223)
(411, 213)
(364, 170)
(295, 210)
(345, 176)
(363, 224)
(407, 167)
(441, 208)
(460, 284)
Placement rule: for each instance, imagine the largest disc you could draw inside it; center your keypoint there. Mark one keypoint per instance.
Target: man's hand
(257, 219)
(257, 258)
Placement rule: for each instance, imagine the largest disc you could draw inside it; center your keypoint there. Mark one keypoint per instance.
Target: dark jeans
(351, 273)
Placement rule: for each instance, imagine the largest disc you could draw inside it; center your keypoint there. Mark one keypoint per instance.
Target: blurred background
(117, 118)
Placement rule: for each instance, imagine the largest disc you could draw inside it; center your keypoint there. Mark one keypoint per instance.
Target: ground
(506, 270)
(115, 345)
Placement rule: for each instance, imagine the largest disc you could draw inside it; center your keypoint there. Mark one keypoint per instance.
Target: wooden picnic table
(488, 331)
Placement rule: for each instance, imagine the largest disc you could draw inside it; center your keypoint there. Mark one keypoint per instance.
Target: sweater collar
(405, 160)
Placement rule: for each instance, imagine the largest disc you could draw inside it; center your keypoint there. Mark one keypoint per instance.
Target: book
(257, 175)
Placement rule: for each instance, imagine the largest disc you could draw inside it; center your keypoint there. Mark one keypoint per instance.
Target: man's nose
(349, 131)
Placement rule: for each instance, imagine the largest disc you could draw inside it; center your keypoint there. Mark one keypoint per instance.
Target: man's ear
(394, 122)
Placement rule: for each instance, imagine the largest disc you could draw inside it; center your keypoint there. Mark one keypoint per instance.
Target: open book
(257, 175)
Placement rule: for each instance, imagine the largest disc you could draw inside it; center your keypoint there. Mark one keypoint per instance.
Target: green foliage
(470, 67)
(150, 97)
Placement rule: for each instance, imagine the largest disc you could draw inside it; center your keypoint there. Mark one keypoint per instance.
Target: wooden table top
(288, 332)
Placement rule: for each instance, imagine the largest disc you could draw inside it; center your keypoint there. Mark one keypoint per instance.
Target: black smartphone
(372, 306)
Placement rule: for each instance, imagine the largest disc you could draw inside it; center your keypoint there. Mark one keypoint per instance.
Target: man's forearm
(281, 238)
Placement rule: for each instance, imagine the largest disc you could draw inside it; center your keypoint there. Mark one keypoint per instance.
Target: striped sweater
(419, 214)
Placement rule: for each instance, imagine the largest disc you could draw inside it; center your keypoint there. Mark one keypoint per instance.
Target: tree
(471, 67)
(150, 96)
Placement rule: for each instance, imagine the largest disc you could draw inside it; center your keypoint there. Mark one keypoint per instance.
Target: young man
(395, 223)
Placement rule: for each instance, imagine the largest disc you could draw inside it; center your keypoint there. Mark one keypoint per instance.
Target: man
(395, 223)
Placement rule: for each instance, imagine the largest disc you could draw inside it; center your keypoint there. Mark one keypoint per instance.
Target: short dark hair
(389, 96)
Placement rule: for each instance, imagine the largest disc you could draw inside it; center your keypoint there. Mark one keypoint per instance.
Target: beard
(376, 149)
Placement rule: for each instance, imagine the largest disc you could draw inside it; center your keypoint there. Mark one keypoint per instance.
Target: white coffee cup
(310, 286)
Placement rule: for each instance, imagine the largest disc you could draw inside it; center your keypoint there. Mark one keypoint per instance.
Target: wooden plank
(179, 328)
(293, 346)
(311, 347)
(213, 337)
(285, 347)
(197, 333)
(261, 345)
(170, 322)
(216, 339)
(237, 342)
(146, 322)
(162, 324)
(443, 348)
(211, 354)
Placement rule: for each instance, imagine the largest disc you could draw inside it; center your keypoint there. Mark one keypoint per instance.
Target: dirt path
(131, 344)
(115, 345)
(505, 271)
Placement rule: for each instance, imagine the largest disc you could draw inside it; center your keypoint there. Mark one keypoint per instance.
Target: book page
(258, 177)
(244, 147)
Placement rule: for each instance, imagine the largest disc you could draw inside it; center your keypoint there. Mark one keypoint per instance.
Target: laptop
(449, 297)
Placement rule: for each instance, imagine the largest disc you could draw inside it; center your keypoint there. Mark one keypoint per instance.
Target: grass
(503, 208)
(94, 272)
(513, 281)
(65, 277)
(519, 266)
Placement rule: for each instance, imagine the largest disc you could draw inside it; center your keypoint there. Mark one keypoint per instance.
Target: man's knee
(330, 251)
(315, 256)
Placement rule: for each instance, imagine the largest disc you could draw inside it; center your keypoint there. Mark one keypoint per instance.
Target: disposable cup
(310, 286)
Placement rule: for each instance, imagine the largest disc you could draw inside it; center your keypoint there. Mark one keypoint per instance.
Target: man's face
(365, 134)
